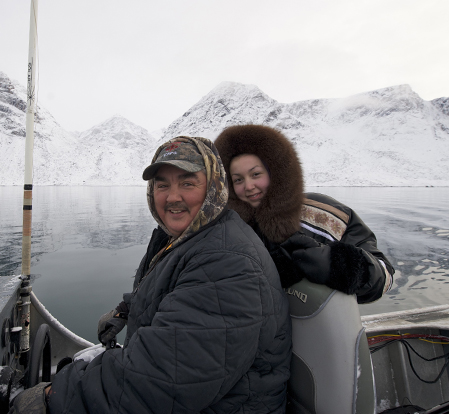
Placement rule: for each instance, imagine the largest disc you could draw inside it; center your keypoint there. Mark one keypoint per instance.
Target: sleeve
(202, 340)
(352, 262)
(379, 270)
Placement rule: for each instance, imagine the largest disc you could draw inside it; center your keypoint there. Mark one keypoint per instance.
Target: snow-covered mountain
(387, 137)
(114, 152)
(50, 141)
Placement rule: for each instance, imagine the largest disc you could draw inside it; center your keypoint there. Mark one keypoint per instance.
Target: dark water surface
(88, 242)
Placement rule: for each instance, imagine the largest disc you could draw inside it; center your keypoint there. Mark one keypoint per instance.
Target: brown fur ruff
(278, 215)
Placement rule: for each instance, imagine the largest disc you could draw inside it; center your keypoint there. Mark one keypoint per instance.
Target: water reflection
(412, 228)
(88, 241)
(86, 244)
(93, 217)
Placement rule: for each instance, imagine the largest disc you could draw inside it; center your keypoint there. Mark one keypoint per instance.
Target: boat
(408, 357)
(401, 377)
(51, 342)
(395, 362)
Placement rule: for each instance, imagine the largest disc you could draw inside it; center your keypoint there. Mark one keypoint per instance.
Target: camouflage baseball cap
(180, 154)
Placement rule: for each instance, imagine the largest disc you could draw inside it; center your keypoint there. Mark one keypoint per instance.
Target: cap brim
(151, 170)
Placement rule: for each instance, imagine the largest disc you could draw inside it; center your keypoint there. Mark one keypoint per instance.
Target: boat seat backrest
(331, 369)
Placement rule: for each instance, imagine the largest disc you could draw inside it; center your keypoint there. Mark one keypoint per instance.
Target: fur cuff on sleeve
(349, 269)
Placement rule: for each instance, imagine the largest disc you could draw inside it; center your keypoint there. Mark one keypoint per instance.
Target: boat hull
(396, 383)
(58, 341)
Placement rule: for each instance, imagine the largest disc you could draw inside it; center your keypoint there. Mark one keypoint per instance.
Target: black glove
(285, 266)
(299, 241)
(311, 258)
(30, 401)
(338, 265)
(111, 323)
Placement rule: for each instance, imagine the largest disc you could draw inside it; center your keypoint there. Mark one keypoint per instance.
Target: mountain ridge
(385, 137)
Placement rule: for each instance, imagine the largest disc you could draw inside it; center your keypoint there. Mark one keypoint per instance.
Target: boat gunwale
(56, 325)
(431, 317)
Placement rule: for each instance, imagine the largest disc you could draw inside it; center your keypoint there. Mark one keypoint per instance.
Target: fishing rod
(25, 289)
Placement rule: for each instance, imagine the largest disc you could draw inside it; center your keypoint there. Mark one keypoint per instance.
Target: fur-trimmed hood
(278, 215)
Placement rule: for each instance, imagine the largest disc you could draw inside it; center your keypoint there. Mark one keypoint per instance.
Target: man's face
(178, 196)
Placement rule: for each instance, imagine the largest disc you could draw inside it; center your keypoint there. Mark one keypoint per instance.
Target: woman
(308, 235)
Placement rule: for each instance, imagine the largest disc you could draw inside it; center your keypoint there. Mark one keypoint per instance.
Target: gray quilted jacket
(208, 332)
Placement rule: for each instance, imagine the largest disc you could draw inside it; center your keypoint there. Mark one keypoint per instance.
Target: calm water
(88, 241)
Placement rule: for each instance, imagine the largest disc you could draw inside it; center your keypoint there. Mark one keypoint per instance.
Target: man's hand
(110, 324)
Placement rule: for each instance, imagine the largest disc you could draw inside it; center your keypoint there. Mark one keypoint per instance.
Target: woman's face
(250, 178)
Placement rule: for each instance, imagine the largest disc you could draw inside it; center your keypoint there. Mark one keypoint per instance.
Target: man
(208, 323)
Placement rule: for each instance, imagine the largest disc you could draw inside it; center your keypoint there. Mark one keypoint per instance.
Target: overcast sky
(150, 61)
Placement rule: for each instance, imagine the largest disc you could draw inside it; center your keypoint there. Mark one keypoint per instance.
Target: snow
(383, 405)
(8, 286)
(15, 391)
(386, 137)
(3, 387)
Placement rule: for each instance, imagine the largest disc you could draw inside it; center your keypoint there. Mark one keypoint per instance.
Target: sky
(150, 61)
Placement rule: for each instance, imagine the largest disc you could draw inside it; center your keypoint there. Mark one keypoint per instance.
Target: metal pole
(24, 304)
